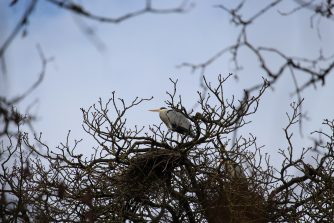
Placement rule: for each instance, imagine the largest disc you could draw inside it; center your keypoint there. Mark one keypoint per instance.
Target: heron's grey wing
(234, 169)
(179, 122)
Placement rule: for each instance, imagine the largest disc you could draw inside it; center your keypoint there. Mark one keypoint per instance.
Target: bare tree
(315, 70)
(8, 106)
(149, 174)
(79, 9)
(154, 175)
(9, 114)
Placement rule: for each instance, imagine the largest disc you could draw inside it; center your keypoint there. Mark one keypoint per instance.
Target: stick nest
(149, 171)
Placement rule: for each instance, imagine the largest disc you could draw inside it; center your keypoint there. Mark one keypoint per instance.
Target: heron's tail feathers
(184, 131)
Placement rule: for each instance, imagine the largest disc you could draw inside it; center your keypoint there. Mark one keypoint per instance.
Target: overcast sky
(141, 54)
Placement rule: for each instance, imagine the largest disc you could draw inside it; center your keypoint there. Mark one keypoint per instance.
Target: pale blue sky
(141, 55)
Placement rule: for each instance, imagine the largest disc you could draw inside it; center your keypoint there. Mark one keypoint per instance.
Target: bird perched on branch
(234, 169)
(175, 121)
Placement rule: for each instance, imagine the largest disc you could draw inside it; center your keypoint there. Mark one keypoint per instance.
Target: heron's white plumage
(234, 169)
(175, 121)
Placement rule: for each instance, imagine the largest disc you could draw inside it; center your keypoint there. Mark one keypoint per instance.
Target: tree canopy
(152, 174)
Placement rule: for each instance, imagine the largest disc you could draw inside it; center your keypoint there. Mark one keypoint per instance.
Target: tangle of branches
(154, 175)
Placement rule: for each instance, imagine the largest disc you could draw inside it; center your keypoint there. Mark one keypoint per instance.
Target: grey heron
(175, 121)
(234, 169)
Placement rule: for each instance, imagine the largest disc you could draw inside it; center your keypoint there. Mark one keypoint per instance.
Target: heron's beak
(155, 110)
